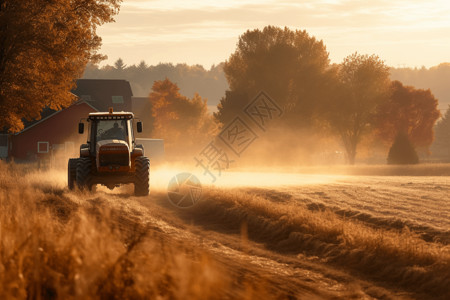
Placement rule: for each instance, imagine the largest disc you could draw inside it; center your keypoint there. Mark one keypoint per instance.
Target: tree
(434, 78)
(142, 66)
(289, 65)
(408, 111)
(44, 47)
(210, 84)
(363, 84)
(183, 123)
(119, 65)
(229, 105)
(441, 145)
(402, 151)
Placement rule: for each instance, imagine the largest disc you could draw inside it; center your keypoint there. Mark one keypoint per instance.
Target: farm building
(56, 132)
(55, 135)
(105, 93)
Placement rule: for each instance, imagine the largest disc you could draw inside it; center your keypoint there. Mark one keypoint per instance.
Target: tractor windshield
(112, 129)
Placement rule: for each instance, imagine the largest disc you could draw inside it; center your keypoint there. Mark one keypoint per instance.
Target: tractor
(111, 156)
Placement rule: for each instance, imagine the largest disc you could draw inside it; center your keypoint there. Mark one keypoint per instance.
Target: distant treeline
(436, 78)
(210, 84)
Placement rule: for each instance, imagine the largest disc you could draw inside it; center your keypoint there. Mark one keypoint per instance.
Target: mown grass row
(397, 258)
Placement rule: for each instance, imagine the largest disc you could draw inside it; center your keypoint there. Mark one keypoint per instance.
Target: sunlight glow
(191, 4)
(253, 179)
(160, 177)
(404, 33)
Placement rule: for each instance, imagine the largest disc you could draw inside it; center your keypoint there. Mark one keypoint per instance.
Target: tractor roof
(111, 115)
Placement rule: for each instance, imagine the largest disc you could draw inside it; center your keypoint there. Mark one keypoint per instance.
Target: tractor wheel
(72, 172)
(84, 176)
(142, 176)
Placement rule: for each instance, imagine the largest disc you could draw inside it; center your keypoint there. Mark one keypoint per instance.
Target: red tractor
(111, 156)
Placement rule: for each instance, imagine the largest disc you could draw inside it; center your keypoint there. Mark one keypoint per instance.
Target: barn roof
(103, 93)
(100, 94)
(51, 115)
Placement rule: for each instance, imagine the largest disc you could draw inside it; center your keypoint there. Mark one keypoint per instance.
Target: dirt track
(249, 234)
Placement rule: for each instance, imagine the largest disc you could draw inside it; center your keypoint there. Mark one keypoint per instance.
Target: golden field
(376, 235)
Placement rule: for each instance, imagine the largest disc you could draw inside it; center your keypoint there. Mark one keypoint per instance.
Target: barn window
(43, 147)
(117, 99)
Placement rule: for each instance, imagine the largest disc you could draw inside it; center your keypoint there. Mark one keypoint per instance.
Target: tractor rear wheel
(84, 175)
(72, 172)
(142, 176)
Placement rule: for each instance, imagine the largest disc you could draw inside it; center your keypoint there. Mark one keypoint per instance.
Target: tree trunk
(351, 158)
(350, 144)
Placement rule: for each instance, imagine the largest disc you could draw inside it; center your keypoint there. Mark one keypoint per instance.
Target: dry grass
(426, 169)
(397, 258)
(55, 246)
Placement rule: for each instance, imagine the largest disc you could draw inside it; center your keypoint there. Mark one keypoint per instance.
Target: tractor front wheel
(142, 176)
(72, 172)
(84, 175)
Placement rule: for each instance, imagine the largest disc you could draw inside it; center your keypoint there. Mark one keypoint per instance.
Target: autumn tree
(229, 105)
(363, 85)
(183, 123)
(408, 111)
(44, 47)
(288, 65)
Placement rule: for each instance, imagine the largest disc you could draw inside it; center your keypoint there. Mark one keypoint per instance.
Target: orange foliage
(410, 111)
(182, 122)
(45, 46)
(289, 65)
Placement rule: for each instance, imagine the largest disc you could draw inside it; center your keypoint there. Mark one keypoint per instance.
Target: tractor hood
(113, 156)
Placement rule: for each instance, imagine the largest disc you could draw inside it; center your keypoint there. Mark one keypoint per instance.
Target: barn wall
(60, 131)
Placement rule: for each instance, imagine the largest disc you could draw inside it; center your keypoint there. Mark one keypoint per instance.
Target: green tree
(44, 47)
(290, 66)
(408, 111)
(363, 84)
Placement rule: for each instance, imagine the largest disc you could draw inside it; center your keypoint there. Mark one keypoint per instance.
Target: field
(360, 233)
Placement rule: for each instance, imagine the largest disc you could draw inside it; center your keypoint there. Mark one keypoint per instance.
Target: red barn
(56, 134)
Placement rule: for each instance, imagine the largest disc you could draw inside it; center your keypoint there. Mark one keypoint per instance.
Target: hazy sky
(403, 33)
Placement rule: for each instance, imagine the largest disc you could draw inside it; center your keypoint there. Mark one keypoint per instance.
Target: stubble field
(373, 234)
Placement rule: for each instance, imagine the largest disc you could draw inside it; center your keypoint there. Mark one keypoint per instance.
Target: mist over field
(277, 173)
(255, 234)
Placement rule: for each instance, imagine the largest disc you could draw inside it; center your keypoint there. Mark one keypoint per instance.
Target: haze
(403, 33)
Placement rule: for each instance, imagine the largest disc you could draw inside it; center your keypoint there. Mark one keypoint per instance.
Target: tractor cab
(112, 126)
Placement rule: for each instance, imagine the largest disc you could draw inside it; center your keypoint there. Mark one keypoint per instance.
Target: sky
(402, 33)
